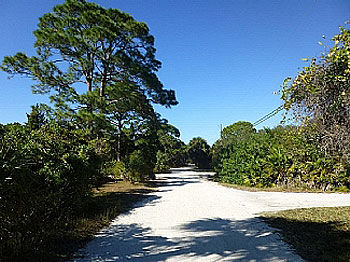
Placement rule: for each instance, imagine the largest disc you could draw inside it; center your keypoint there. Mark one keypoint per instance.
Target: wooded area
(98, 67)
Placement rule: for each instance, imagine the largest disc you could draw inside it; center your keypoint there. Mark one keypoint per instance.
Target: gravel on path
(192, 219)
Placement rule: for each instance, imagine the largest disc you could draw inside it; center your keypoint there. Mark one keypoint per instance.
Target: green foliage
(319, 97)
(162, 164)
(114, 169)
(36, 118)
(138, 168)
(237, 130)
(45, 175)
(230, 136)
(199, 152)
(172, 151)
(282, 156)
(119, 170)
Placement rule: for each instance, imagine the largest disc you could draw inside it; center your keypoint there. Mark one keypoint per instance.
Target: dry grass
(105, 204)
(124, 186)
(317, 234)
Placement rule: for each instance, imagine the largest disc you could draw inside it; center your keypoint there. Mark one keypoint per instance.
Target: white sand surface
(193, 219)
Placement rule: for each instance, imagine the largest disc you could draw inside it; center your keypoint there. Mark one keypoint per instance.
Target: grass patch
(104, 205)
(317, 234)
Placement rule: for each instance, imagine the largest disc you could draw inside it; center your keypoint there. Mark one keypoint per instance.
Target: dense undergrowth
(100, 206)
(45, 175)
(277, 157)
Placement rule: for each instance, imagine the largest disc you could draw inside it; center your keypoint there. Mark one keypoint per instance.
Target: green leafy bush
(44, 176)
(119, 170)
(283, 156)
(138, 168)
(162, 164)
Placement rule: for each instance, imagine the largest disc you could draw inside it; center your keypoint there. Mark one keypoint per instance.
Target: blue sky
(224, 58)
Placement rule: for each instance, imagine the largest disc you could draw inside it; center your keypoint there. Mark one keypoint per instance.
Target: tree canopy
(199, 152)
(83, 44)
(98, 65)
(237, 130)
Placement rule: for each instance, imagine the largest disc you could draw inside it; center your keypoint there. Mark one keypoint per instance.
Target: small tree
(173, 149)
(230, 136)
(199, 152)
(36, 118)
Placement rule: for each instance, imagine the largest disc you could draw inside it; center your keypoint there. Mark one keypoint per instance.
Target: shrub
(45, 175)
(282, 156)
(138, 168)
(119, 170)
(199, 152)
(162, 164)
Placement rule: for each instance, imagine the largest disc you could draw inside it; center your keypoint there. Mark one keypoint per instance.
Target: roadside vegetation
(281, 157)
(312, 152)
(98, 68)
(96, 212)
(199, 153)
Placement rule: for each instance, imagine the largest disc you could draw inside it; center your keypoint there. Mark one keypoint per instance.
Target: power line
(268, 116)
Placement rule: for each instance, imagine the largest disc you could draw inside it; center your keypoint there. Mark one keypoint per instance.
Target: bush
(45, 175)
(119, 170)
(138, 168)
(283, 156)
(162, 164)
(114, 169)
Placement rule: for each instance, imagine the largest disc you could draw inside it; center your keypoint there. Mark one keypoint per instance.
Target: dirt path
(192, 219)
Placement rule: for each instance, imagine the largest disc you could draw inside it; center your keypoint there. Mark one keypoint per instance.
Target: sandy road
(192, 219)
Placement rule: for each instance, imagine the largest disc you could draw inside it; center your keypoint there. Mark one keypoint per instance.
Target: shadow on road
(175, 181)
(207, 239)
(315, 241)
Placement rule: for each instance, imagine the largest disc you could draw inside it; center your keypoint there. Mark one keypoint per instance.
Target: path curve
(193, 219)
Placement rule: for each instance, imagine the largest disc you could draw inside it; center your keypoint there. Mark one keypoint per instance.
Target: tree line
(312, 151)
(98, 68)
